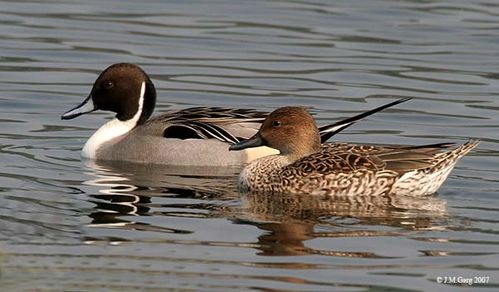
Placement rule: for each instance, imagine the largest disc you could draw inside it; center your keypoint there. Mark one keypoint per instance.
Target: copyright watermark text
(463, 280)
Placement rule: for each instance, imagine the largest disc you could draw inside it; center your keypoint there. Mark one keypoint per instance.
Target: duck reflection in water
(290, 220)
(126, 189)
(287, 222)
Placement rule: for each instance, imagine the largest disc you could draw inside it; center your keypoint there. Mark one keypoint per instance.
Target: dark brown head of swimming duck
(291, 130)
(122, 88)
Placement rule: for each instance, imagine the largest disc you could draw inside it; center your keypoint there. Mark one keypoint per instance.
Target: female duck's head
(291, 130)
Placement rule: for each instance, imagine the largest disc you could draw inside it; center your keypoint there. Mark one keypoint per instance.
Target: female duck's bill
(254, 141)
(304, 166)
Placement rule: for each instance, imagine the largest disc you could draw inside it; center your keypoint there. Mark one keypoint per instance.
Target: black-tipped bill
(254, 141)
(85, 107)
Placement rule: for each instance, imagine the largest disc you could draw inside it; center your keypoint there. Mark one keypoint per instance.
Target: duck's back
(339, 170)
(349, 169)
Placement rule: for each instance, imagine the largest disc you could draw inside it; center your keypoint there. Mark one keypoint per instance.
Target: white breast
(112, 129)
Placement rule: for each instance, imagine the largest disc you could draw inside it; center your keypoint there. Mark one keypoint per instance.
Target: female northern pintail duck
(193, 136)
(304, 166)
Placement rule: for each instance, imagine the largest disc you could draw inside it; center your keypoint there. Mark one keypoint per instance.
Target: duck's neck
(148, 94)
(112, 129)
(295, 151)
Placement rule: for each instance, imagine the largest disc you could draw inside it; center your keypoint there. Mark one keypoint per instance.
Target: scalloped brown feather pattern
(348, 169)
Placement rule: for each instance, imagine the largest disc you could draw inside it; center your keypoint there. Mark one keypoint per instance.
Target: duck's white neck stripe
(112, 129)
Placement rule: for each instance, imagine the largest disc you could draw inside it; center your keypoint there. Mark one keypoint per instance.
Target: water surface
(71, 225)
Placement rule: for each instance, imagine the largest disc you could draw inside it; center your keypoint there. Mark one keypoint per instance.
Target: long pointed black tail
(329, 131)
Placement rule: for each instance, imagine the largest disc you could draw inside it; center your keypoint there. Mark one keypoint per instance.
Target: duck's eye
(276, 124)
(108, 84)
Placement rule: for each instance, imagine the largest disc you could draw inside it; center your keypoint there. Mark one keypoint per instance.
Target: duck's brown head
(291, 130)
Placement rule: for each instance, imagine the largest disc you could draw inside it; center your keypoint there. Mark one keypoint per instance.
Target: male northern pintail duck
(305, 166)
(193, 136)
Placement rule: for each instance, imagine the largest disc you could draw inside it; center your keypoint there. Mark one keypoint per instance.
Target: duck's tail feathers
(451, 157)
(329, 131)
(428, 181)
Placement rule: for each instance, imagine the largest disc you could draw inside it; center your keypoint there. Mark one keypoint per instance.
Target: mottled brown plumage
(305, 166)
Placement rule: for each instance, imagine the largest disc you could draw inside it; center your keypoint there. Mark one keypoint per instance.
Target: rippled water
(75, 226)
